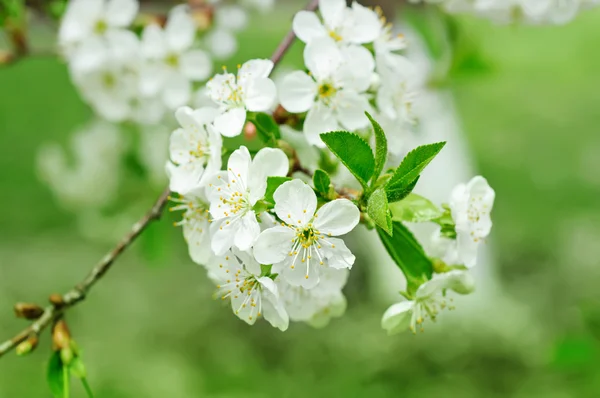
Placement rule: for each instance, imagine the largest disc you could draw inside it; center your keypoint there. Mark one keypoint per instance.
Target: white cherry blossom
(334, 92)
(233, 194)
(318, 305)
(195, 150)
(195, 224)
(220, 39)
(304, 243)
(238, 278)
(355, 25)
(471, 205)
(251, 90)
(171, 63)
(430, 298)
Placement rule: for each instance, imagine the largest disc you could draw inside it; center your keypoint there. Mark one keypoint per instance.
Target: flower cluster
(526, 11)
(126, 76)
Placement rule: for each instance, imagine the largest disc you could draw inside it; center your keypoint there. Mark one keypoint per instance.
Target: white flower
(220, 39)
(238, 278)
(303, 244)
(153, 153)
(315, 306)
(172, 64)
(252, 91)
(429, 300)
(195, 225)
(471, 205)
(93, 31)
(195, 150)
(233, 194)
(356, 25)
(334, 92)
(261, 5)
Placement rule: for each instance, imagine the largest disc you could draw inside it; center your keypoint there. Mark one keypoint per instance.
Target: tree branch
(60, 304)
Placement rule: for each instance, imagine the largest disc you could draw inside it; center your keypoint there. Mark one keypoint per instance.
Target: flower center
(100, 27)
(109, 80)
(428, 307)
(172, 60)
(335, 36)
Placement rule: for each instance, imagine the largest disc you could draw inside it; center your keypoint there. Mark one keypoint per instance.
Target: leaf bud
(28, 311)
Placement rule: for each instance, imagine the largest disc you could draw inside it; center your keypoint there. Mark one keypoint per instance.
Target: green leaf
(408, 254)
(415, 208)
(378, 210)
(54, 375)
(412, 166)
(272, 184)
(322, 182)
(267, 128)
(77, 368)
(381, 148)
(353, 152)
(395, 195)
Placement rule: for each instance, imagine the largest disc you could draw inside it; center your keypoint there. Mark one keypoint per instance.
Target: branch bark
(60, 304)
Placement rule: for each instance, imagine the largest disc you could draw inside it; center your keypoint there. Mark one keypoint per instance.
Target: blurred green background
(151, 329)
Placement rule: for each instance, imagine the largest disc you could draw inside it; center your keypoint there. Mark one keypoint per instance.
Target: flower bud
(27, 346)
(57, 300)
(28, 311)
(61, 337)
(66, 355)
(249, 131)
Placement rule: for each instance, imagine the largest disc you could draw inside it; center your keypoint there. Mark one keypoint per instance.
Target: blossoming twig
(62, 303)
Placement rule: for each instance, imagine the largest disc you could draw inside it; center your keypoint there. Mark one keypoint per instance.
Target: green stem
(65, 381)
(88, 390)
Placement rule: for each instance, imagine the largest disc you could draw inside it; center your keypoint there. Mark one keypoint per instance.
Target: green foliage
(155, 245)
(414, 208)
(378, 210)
(266, 127)
(354, 152)
(11, 11)
(55, 375)
(409, 170)
(408, 254)
(322, 184)
(272, 184)
(381, 148)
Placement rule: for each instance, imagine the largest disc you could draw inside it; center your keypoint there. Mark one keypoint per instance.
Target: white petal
(180, 30)
(152, 79)
(153, 42)
(467, 248)
(307, 26)
(319, 120)
(241, 308)
(332, 11)
(177, 91)
(238, 166)
(260, 95)
(247, 232)
(295, 202)
(90, 54)
(267, 162)
(231, 17)
(351, 110)
(273, 245)
(221, 43)
(196, 65)
(357, 70)
(205, 115)
(322, 58)
(124, 46)
(198, 240)
(79, 19)
(304, 274)
(222, 235)
(231, 122)
(184, 178)
(297, 92)
(397, 318)
(255, 69)
(366, 26)
(121, 13)
(337, 217)
(272, 308)
(337, 253)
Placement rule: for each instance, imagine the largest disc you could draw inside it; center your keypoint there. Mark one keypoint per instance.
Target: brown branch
(60, 304)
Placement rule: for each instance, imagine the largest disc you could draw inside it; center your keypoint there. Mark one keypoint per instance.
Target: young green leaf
(267, 128)
(408, 254)
(272, 184)
(412, 166)
(322, 182)
(415, 208)
(353, 152)
(378, 210)
(395, 195)
(55, 376)
(381, 148)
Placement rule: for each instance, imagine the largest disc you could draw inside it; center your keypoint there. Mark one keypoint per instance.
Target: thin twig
(80, 291)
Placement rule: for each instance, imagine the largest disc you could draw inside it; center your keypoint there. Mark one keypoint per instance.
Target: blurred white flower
(238, 278)
(261, 5)
(429, 300)
(334, 92)
(220, 39)
(171, 64)
(318, 305)
(153, 152)
(252, 91)
(92, 178)
(195, 150)
(355, 25)
(233, 194)
(303, 244)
